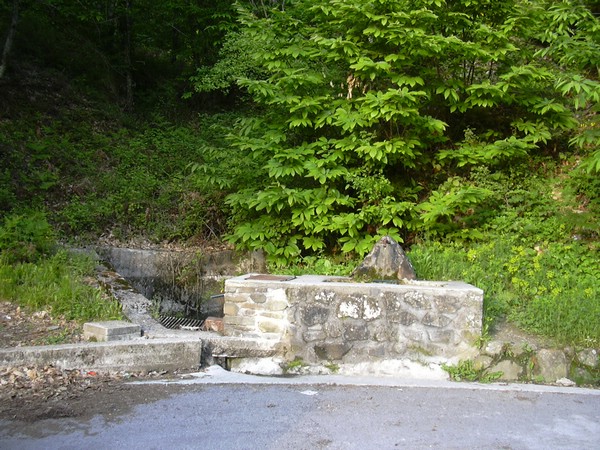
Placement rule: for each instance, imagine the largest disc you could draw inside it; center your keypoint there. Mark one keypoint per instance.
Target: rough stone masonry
(323, 319)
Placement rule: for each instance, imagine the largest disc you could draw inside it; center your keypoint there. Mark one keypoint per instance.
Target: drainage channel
(180, 323)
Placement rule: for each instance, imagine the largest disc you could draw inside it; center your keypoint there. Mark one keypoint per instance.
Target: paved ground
(218, 409)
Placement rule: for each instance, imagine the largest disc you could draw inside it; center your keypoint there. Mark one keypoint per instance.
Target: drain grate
(181, 323)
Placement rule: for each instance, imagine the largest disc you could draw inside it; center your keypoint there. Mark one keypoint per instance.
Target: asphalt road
(220, 410)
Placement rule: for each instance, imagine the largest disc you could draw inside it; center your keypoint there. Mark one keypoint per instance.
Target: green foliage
(379, 96)
(467, 123)
(468, 371)
(118, 180)
(441, 212)
(25, 238)
(533, 249)
(56, 284)
(549, 289)
(317, 265)
(295, 366)
(117, 45)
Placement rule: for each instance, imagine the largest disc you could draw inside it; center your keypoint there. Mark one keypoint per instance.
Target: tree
(124, 39)
(10, 36)
(364, 101)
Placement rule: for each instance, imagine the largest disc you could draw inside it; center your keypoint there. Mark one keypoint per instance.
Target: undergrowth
(56, 281)
(536, 255)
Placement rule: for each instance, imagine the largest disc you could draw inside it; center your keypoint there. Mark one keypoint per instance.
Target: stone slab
(137, 355)
(114, 330)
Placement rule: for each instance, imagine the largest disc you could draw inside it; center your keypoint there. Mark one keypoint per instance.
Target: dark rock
(387, 261)
(403, 317)
(356, 331)
(332, 352)
(314, 315)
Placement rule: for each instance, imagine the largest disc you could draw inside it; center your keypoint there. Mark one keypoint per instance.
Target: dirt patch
(30, 394)
(21, 327)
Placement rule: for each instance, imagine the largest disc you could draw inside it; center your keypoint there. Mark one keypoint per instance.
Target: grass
(57, 284)
(550, 289)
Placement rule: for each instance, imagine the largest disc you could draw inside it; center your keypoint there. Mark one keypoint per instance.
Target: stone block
(356, 331)
(313, 335)
(436, 320)
(250, 289)
(332, 352)
(258, 297)
(494, 347)
(400, 347)
(213, 324)
(441, 336)
(276, 305)
(230, 309)
(239, 321)
(414, 334)
(257, 366)
(349, 309)
(589, 357)
(312, 315)
(324, 296)
(392, 302)
(379, 333)
(279, 315)
(510, 370)
(371, 309)
(114, 330)
(482, 362)
(446, 304)
(386, 260)
(551, 365)
(237, 298)
(416, 300)
(378, 351)
(333, 329)
(271, 326)
(402, 317)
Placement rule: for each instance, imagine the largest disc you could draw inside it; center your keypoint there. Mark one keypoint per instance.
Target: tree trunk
(9, 38)
(127, 31)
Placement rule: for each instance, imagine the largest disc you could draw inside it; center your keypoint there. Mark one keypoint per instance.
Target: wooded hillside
(468, 130)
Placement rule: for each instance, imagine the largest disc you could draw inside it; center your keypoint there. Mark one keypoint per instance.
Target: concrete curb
(172, 352)
(133, 355)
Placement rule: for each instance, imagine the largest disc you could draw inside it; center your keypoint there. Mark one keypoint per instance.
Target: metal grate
(180, 323)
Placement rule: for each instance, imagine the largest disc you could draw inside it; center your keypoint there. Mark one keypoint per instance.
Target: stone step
(113, 330)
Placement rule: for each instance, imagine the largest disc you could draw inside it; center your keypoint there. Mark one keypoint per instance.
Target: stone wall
(322, 319)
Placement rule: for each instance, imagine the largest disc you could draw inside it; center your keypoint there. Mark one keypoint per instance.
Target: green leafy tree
(365, 105)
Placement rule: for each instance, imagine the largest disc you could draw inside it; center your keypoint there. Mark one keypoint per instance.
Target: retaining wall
(321, 319)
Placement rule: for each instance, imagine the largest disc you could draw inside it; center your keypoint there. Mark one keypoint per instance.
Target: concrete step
(114, 330)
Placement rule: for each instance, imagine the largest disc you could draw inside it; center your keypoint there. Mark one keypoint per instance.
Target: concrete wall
(323, 319)
(180, 281)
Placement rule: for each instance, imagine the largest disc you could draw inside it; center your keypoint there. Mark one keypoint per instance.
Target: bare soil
(35, 393)
(21, 327)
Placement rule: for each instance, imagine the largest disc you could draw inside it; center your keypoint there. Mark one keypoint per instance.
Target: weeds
(550, 290)
(57, 284)
(467, 371)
